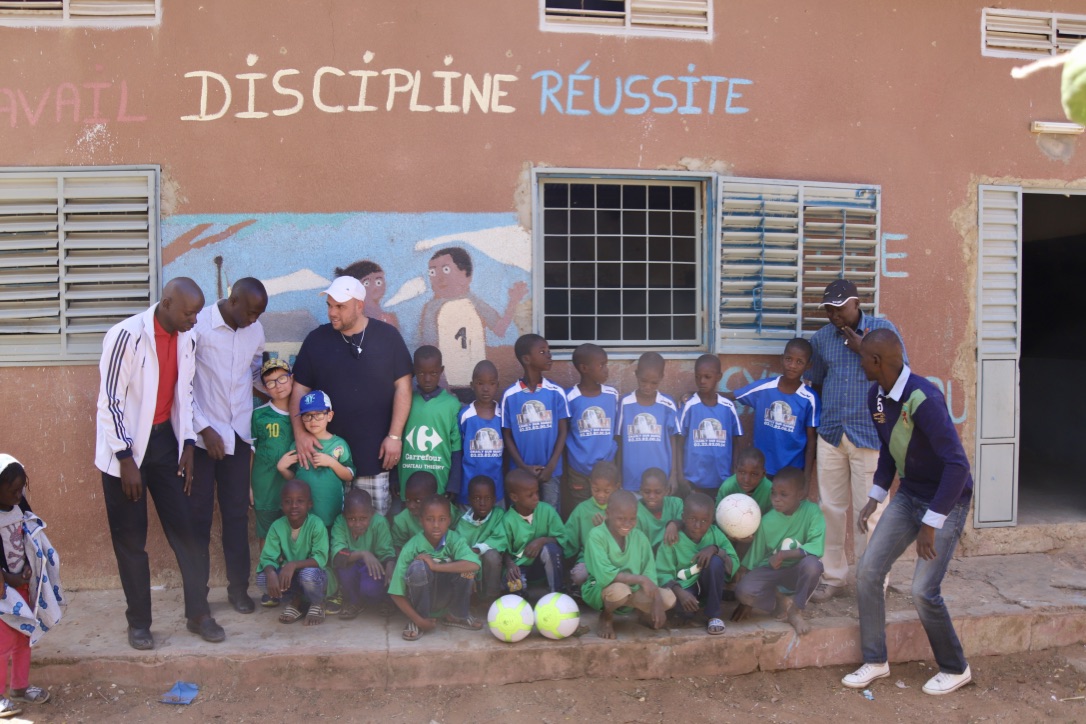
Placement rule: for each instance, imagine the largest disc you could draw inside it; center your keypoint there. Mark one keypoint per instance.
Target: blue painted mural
(459, 281)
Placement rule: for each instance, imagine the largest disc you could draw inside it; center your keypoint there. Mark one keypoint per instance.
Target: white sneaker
(861, 677)
(944, 683)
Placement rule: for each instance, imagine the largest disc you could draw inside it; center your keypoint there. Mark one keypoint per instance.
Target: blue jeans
(430, 591)
(549, 564)
(896, 531)
(309, 583)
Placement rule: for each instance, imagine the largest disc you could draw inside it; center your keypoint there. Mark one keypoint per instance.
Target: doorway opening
(1052, 457)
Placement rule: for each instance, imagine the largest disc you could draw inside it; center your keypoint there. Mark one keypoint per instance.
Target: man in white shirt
(229, 348)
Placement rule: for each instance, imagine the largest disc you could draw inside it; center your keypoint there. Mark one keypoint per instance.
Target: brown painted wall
(842, 91)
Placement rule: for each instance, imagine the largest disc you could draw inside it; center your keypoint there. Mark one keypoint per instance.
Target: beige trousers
(619, 595)
(845, 474)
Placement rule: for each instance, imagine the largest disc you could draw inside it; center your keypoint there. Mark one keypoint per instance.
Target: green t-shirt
(405, 525)
(579, 526)
(273, 437)
(431, 436)
(670, 560)
(806, 527)
(452, 548)
(654, 529)
(377, 539)
(604, 560)
(324, 485)
(520, 532)
(484, 535)
(760, 493)
(281, 545)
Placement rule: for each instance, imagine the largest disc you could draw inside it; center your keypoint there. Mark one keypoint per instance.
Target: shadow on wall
(457, 281)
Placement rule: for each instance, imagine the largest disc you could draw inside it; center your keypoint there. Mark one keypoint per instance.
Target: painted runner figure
(918, 441)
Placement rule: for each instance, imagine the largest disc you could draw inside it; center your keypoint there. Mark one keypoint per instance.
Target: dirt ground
(1049, 685)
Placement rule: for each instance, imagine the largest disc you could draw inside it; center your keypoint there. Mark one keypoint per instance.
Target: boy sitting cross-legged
(533, 535)
(696, 567)
(481, 528)
(436, 570)
(604, 480)
(621, 572)
(786, 552)
(294, 557)
(419, 487)
(362, 555)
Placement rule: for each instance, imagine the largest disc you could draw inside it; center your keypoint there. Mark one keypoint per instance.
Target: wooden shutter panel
(840, 240)
(759, 263)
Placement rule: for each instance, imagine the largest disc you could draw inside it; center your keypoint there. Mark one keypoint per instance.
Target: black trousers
(230, 477)
(128, 529)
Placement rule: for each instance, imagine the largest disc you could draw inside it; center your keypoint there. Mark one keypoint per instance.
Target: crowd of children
(609, 498)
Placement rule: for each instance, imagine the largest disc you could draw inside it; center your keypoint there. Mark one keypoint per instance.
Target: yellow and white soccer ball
(557, 616)
(738, 515)
(510, 618)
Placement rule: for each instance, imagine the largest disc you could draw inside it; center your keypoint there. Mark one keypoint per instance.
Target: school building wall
(279, 187)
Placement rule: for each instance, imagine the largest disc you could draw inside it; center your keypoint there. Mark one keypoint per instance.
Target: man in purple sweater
(918, 441)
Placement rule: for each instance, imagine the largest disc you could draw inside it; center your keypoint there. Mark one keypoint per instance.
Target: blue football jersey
(781, 421)
(645, 433)
(593, 424)
(483, 447)
(709, 434)
(532, 417)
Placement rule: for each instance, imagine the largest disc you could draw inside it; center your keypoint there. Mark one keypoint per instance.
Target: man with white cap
(848, 446)
(364, 367)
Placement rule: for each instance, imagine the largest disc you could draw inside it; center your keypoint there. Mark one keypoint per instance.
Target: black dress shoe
(140, 639)
(241, 602)
(206, 628)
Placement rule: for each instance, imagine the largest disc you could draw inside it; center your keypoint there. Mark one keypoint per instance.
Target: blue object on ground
(182, 693)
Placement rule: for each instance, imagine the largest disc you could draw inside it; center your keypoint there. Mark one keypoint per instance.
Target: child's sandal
(290, 615)
(32, 695)
(411, 632)
(315, 614)
(715, 627)
(469, 623)
(8, 708)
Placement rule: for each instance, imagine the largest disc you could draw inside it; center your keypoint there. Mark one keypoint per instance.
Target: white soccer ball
(557, 616)
(738, 515)
(510, 618)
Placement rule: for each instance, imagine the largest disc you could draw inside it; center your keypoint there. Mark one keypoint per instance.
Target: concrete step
(1001, 605)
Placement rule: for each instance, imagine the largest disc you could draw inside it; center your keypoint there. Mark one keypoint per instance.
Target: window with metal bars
(1028, 34)
(688, 18)
(620, 260)
(781, 243)
(78, 253)
(79, 12)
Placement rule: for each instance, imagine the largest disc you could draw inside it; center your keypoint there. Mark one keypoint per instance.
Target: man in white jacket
(144, 441)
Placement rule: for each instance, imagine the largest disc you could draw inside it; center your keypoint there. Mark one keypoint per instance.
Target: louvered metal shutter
(689, 16)
(781, 243)
(1023, 34)
(78, 253)
(999, 305)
